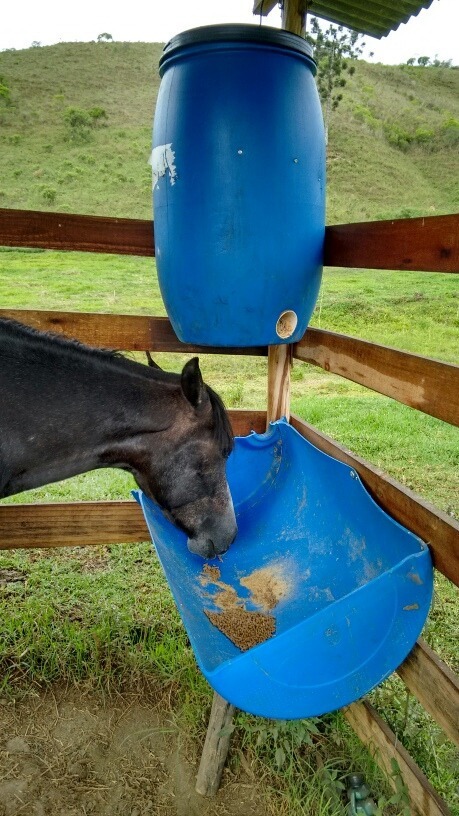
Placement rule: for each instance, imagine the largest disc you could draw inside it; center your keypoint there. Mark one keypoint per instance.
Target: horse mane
(223, 432)
(75, 348)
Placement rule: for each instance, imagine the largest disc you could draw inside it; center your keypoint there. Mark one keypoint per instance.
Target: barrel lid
(237, 32)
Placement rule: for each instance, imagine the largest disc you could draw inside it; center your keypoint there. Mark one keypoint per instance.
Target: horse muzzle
(214, 539)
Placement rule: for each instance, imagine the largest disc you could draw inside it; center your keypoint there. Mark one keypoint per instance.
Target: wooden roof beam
(263, 7)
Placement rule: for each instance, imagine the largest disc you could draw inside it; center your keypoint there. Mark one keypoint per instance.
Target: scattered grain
(245, 629)
(267, 586)
(211, 573)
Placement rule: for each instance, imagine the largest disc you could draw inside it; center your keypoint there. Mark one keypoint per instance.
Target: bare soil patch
(68, 753)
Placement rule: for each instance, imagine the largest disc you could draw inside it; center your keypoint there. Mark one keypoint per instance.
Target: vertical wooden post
(279, 367)
(294, 16)
(280, 357)
(216, 745)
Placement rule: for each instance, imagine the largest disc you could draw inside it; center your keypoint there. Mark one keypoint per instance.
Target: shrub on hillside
(48, 193)
(97, 114)
(425, 137)
(450, 132)
(5, 93)
(365, 115)
(80, 122)
(397, 136)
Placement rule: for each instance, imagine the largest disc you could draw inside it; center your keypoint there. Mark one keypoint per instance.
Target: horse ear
(192, 383)
(151, 362)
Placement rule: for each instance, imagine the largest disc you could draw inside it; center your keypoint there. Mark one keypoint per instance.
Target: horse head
(189, 480)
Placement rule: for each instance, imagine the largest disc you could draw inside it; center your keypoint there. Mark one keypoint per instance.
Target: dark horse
(66, 408)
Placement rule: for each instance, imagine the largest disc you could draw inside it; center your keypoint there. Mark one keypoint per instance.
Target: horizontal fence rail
(429, 385)
(82, 233)
(120, 332)
(71, 524)
(420, 244)
(435, 686)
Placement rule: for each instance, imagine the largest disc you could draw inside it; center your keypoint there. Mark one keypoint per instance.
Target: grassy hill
(392, 152)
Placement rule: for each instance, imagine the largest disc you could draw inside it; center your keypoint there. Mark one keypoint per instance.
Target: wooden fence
(431, 386)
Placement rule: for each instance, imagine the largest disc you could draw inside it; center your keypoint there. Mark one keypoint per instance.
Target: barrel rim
(237, 32)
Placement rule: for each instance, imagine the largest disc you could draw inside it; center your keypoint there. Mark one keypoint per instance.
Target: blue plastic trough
(357, 585)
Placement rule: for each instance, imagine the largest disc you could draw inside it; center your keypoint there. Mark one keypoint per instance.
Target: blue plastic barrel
(238, 185)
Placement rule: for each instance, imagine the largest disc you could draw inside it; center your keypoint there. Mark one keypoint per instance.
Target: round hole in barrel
(286, 324)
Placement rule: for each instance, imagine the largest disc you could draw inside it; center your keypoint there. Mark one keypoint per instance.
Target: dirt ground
(68, 753)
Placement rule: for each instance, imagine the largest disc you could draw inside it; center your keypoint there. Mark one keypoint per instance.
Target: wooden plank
(71, 524)
(432, 525)
(244, 421)
(85, 233)
(434, 685)
(279, 368)
(385, 747)
(421, 244)
(216, 747)
(263, 7)
(294, 16)
(119, 332)
(429, 385)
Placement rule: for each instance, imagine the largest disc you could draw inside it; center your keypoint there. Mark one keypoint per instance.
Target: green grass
(105, 616)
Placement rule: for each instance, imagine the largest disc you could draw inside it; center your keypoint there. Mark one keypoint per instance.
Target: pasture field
(94, 630)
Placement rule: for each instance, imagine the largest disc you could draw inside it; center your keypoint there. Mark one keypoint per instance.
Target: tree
(105, 37)
(333, 48)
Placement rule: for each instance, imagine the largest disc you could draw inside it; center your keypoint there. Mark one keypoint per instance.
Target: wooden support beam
(432, 525)
(279, 369)
(119, 332)
(294, 16)
(435, 686)
(263, 7)
(428, 244)
(216, 747)
(420, 382)
(385, 747)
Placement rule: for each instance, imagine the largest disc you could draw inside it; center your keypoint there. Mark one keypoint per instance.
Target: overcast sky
(434, 31)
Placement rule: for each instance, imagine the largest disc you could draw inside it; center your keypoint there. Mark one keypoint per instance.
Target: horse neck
(73, 414)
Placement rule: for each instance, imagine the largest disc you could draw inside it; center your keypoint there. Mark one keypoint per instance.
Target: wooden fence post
(216, 747)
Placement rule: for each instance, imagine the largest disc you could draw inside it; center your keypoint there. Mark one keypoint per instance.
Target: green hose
(360, 801)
